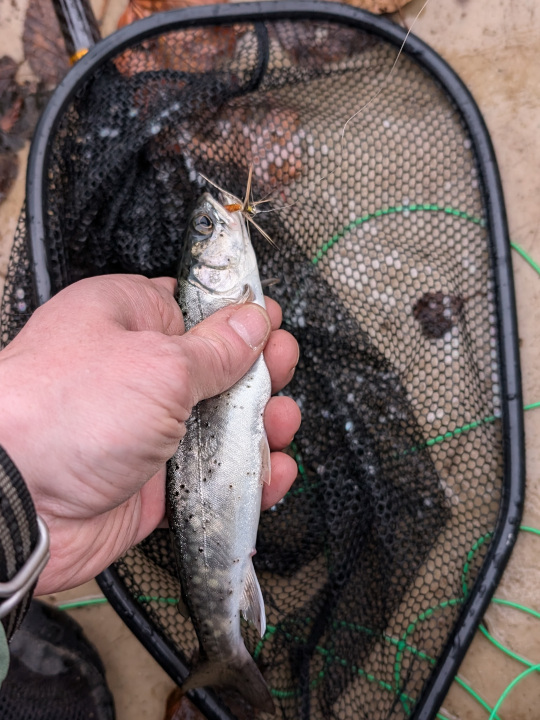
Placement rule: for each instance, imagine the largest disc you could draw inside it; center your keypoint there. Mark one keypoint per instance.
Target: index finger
(273, 309)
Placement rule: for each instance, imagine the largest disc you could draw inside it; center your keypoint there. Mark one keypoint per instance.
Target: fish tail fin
(239, 673)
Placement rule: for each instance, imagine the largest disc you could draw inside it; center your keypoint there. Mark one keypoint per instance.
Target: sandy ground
(493, 47)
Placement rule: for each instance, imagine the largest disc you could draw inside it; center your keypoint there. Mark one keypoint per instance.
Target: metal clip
(16, 588)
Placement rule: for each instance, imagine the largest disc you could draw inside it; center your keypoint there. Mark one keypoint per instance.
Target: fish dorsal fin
(252, 603)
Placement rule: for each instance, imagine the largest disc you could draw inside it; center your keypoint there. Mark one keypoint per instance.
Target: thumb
(221, 349)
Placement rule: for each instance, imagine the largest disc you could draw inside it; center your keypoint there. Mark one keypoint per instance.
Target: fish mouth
(210, 266)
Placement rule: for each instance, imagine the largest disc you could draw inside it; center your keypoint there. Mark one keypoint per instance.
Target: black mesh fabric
(54, 672)
(385, 280)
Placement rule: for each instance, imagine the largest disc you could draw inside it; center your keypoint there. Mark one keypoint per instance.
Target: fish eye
(203, 224)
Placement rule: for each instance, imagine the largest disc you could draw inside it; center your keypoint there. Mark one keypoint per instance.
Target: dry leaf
(11, 106)
(313, 45)
(437, 313)
(266, 134)
(9, 167)
(138, 9)
(191, 50)
(35, 96)
(20, 107)
(378, 6)
(9, 118)
(8, 69)
(10, 103)
(180, 708)
(275, 141)
(43, 44)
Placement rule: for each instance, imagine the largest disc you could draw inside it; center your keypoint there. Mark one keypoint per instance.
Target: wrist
(23, 425)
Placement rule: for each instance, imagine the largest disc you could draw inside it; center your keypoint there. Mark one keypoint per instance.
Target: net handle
(78, 25)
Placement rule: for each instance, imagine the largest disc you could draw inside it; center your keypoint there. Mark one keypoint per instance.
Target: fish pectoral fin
(265, 462)
(252, 603)
(248, 295)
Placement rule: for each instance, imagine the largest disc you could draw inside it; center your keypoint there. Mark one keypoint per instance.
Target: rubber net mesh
(384, 278)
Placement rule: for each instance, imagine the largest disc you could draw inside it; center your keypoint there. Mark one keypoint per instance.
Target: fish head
(217, 251)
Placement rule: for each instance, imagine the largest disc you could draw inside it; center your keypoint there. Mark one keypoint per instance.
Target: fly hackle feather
(248, 208)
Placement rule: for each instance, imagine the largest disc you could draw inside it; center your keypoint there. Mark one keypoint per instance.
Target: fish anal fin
(252, 603)
(248, 294)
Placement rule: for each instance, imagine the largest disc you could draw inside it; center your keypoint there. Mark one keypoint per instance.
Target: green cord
(516, 606)
(525, 255)
(401, 644)
(477, 545)
(485, 632)
(479, 699)
(510, 687)
(103, 600)
(428, 207)
(448, 435)
(154, 598)
(82, 603)
(526, 528)
(331, 657)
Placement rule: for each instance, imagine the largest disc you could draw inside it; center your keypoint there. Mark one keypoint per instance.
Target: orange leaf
(43, 44)
(378, 6)
(180, 708)
(138, 9)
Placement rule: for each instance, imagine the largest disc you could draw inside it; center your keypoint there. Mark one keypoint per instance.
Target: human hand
(96, 389)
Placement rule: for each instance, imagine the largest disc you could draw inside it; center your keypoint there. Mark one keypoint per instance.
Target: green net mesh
(385, 280)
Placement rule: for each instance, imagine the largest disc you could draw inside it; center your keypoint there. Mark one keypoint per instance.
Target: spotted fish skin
(215, 479)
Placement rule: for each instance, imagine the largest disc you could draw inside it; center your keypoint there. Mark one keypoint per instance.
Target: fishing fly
(246, 207)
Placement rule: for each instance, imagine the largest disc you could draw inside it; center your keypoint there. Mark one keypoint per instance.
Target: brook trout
(215, 479)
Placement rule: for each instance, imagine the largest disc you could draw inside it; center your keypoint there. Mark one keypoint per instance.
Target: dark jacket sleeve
(4, 655)
(18, 534)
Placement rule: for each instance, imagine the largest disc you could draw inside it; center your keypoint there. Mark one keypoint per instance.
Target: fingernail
(251, 323)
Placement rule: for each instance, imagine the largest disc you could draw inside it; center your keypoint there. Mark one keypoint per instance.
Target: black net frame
(511, 501)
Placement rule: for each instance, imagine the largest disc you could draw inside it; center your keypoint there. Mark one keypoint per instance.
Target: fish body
(215, 479)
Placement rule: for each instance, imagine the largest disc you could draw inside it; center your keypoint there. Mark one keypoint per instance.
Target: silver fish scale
(218, 509)
(215, 478)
